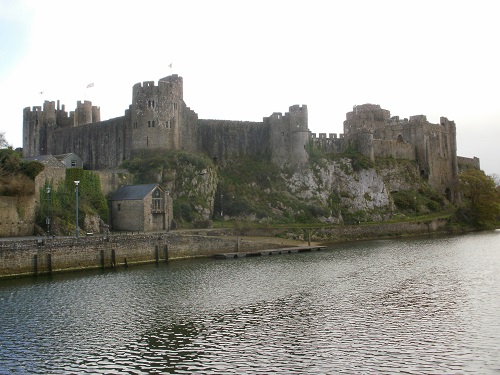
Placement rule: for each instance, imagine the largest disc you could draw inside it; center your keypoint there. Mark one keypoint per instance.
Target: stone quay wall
(46, 255)
(28, 257)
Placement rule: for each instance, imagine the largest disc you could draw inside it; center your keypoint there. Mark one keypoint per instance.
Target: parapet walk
(286, 250)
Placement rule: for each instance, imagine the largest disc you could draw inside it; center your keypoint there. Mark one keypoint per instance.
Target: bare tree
(496, 178)
(3, 141)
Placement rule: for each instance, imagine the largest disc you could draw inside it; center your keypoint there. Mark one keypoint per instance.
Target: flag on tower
(170, 66)
(90, 85)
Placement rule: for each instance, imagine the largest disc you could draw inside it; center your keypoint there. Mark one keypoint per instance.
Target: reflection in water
(426, 305)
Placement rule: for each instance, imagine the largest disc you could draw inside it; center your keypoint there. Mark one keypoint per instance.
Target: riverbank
(36, 256)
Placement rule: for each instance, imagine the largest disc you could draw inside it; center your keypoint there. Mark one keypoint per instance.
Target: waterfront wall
(42, 255)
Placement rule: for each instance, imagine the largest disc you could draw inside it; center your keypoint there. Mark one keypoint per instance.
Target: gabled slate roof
(61, 157)
(48, 160)
(133, 192)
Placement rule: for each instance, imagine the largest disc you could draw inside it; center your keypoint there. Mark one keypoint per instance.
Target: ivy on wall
(62, 202)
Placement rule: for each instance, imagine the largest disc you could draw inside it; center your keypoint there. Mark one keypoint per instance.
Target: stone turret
(366, 117)
(156, 113)
(289, 136)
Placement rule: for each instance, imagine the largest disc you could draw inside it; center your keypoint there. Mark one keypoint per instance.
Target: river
(421, 305)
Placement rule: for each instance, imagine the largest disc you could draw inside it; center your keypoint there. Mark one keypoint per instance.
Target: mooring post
(166, 252)
(35, 264)
(102, 259)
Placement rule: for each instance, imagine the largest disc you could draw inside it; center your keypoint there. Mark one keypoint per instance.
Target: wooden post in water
(49, 263)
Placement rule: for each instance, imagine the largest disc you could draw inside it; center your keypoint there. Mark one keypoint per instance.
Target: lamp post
(222, 209)
(168, 211)
(47, 221)
(76, 192)
(415, 206)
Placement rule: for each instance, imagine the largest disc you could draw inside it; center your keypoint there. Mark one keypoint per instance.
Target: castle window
(153, 125)
(149, 124)
(149, 103)
(153, 103)
(400, 138)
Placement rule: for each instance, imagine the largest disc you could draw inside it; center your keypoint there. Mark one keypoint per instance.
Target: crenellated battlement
(331, 136)
(420, 119)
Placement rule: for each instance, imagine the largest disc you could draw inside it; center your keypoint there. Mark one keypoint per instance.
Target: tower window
(153, 103)
(149, 103)
(153, 124)
(149, 124)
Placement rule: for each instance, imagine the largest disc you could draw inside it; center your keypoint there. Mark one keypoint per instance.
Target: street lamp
(222, 209)
(168, 211)
(47, 221)
(76, 192)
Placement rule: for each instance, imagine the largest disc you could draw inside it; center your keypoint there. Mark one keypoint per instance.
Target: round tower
(299, 134)
(155, 114)
(83, 113)
(366, 117)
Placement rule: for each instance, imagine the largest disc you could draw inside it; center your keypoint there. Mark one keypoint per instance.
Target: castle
(158, 118)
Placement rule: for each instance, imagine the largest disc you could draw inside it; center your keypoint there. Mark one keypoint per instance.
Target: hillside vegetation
(17, 176)
(346, 188)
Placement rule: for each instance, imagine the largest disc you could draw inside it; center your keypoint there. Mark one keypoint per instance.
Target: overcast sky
(244, 60)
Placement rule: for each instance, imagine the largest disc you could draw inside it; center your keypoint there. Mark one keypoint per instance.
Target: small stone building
(143, 208)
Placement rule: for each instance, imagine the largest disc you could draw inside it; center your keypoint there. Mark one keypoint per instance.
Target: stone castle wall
(389, 148)
(468, 163)
(222, 139)
(100, 145)
(158, 118)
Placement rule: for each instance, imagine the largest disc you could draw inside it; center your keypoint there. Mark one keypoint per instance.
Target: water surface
(420, 305)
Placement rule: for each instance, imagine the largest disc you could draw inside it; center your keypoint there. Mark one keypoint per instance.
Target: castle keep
(158, 118)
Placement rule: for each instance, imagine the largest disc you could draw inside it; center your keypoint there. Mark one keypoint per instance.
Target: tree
(3, 141)
(481, 198)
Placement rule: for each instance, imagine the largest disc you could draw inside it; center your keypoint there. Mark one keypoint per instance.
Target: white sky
(244, 60)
